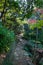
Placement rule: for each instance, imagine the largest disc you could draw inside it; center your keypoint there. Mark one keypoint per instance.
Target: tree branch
(2, 13)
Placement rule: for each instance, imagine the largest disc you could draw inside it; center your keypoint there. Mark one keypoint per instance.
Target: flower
(31, 21)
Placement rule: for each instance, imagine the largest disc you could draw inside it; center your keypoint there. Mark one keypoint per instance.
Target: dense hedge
(6, 38)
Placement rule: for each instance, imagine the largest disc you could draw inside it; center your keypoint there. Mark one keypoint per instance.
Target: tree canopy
(18, 8)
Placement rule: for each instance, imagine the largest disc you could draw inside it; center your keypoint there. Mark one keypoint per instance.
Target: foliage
(10, 10)
(35, 41)
(6, 38)
(37, 24)
(19, 8)
(30, 49)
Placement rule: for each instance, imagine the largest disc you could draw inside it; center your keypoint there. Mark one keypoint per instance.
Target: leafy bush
(30, 49)
(6, 38)
(35, 42)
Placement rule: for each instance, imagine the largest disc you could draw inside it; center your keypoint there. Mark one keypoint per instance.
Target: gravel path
(21, 56)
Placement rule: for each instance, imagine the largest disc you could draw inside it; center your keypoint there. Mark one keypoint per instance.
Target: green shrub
(6, 38)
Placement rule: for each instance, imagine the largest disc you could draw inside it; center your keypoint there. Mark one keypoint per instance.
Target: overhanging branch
(3, 12)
